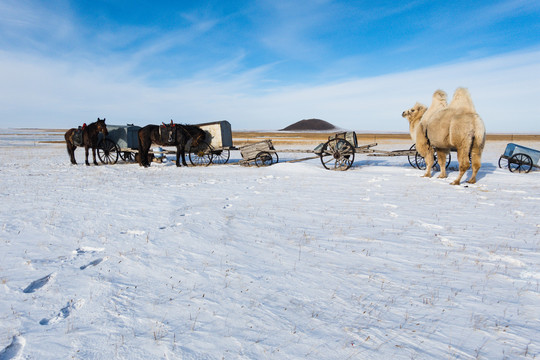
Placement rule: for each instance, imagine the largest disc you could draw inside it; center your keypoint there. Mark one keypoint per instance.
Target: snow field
(288, 261)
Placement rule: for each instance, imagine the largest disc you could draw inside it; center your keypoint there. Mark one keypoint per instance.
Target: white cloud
(46, 93)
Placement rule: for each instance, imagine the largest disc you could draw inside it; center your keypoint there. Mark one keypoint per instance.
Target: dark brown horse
(168, 135)
(86, 136)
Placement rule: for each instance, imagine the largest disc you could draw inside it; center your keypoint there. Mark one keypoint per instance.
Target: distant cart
(337, 153)
(261, 153)
(519, 158)
(217, 146)
(122, 142)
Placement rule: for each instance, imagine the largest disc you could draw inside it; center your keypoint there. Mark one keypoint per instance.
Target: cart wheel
(503, 162)
(127, 156)
(275, 158)
(107, 151)
(412, 158)
(263, 158)
(521, 163)
(421, 162)
(337, 154)
(201, 155)
(220, 156)
(449, 159)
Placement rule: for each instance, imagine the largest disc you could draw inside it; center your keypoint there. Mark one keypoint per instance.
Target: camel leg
(476, 155)
(441, 160)
(463, 158)
(429, 161)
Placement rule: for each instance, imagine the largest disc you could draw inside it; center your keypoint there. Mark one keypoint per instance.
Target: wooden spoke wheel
(521, 163)
(201, 155)
(275, 157)
(127, 156)
(107, 151)
(421, 162)
(503, 162)
(263, 158)
(412, 158)
(220, 156)
(337, 154)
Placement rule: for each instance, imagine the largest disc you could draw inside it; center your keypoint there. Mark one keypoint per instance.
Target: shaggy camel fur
(443, 128)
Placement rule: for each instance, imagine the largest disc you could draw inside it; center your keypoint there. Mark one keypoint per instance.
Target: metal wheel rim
(201, 155)
(503, 162)
(411, 158)
(263, 158)
(127, 156)
(220, 156)
(420, 161)
(521, 163)
(107, 152)
(337, 154)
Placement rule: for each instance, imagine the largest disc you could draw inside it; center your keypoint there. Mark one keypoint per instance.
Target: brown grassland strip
(285, 137)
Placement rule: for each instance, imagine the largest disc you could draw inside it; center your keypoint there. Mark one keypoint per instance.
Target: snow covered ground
(290, 261)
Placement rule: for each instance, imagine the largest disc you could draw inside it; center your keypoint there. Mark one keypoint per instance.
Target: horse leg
(429, 161)
(145, 148)
(94, 155)
(463, 159)
(441, 160)
(476, 155)
(86, 155)
(181, 154)
(71, 151)
(143, 157)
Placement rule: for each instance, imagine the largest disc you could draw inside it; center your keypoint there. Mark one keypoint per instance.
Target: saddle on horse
(77, 136)
(167, 132)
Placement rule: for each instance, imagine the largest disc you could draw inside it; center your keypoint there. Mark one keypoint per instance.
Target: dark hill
(310, 125)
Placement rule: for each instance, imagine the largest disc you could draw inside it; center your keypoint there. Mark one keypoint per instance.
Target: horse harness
(77, 136)
(167, 132)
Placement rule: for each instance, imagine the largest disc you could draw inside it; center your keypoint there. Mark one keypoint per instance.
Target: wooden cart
(261, 153)
(519, 158)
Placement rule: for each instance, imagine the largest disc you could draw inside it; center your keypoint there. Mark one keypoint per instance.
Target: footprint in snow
(64, 312)
(132, 232)
(430, 226)
(87, 249)
(38, 284)
(14, 350)
(94, 262)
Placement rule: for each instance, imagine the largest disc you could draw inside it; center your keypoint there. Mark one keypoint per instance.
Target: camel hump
(439, 97)
(462, 99)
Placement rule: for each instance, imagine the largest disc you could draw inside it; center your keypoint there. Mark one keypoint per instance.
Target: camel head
(415, 113)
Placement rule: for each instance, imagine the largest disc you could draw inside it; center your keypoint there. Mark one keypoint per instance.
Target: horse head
(102, 127)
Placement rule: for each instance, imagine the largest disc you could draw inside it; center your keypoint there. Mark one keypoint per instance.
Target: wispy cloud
(264, 65)
(47, 94)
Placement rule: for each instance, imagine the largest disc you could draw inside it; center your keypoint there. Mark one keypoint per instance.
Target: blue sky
(265, 64)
